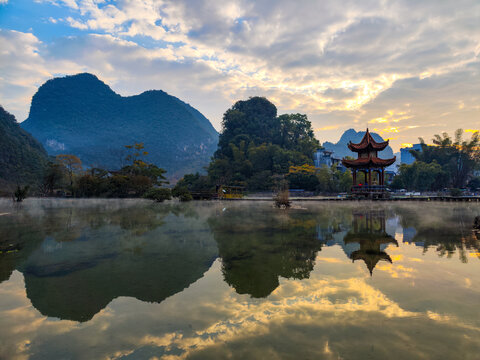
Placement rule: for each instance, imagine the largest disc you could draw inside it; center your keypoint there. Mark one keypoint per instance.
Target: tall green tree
(254, 119)
(332, 180)
(458, 158)
(256, 144)
(420, 176)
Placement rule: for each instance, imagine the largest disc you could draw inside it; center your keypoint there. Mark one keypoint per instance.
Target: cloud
(336, 61)
(428, 106)
(23, 69)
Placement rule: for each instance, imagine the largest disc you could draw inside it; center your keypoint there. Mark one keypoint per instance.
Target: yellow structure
(231, 192)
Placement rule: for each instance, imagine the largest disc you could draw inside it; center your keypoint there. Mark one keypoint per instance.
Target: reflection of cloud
(397, 271)
(219, 319)
(335, 313)
(330, 260)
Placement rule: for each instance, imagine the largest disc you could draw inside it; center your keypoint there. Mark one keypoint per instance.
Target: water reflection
(19, 236)
(369, 231)
(82, 259)
(226, 280)
(445, 230)
(259, 246)
(77, 259)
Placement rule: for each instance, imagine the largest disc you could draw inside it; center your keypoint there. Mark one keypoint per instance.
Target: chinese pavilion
(368, 163)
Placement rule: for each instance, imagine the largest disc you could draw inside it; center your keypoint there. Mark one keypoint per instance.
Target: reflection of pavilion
(369, 232)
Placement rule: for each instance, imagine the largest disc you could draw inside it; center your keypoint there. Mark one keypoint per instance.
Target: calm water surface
(130, 279)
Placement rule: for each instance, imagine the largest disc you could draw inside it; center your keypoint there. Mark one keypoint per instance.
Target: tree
(474, 183)
(303, 177)
(182, 193)
(136, 152)
(420, 176)
(133, 180)
(296, 133)
(72, 165)
(458, 158)
(158, 194)
(52, 179)
(255, 118)
(333, 180)
(21, 193)
(256, 145)
(194, 183)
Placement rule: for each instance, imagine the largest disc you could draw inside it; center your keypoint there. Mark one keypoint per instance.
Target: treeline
(22, 158)
(448, 163)
(66, 177)
(257, 149)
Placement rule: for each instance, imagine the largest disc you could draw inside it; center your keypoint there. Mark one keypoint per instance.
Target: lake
(132, 279)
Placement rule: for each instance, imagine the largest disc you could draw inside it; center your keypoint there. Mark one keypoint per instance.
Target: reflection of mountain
(368, 230)
(76, 278)
(258, 245)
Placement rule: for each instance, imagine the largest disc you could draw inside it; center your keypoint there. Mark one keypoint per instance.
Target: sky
(406, 69)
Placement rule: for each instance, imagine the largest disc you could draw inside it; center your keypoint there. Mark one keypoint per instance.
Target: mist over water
(135, 279)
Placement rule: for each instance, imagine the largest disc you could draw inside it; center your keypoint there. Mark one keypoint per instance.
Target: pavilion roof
(370, 259)
(371, 161)
(367, 143)
(369, 240)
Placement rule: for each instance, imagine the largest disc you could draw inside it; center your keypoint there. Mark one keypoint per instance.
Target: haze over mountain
(22, 158)
(83, 116)
(341, 150)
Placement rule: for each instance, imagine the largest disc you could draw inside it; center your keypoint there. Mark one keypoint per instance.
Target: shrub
(455, 192)
(281, 188)
(158, 194)
(21, 193)
(186, 196)
(182, 193)
(282, 199)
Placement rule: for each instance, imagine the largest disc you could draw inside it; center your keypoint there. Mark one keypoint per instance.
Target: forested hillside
(81, 115)
(22, 158)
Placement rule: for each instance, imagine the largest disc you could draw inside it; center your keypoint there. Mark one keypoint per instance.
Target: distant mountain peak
(81, 79)
(341, 150)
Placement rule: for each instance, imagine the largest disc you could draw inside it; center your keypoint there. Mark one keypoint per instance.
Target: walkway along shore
(417, 198)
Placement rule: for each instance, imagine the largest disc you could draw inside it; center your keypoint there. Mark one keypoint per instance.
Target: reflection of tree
(19, 236)
(441, 228)
(147, 251)
(138, 218)
(257, 245)
(331, 221)
(368, 230)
